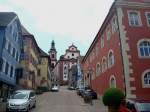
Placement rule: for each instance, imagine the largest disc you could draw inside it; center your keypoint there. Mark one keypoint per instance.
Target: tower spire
(53, 45)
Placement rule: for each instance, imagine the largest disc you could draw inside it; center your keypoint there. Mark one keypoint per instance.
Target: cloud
(65, 16)
(74, 20)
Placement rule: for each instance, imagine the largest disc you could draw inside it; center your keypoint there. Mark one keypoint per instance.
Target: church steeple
(53, 54)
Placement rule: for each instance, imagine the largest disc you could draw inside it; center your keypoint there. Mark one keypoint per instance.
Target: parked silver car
(21, 100)
(138, 105)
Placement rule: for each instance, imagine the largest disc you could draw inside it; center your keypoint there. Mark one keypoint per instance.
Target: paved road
(62, 101)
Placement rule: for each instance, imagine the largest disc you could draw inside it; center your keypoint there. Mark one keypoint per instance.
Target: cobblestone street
(65, 101)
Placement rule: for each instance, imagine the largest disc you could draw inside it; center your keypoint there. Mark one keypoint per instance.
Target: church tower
(53, 54)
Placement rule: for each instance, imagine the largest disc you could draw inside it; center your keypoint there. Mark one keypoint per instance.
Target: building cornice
(145, 4)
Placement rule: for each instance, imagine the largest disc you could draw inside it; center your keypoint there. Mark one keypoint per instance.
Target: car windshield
(143, 106)
(19, 96)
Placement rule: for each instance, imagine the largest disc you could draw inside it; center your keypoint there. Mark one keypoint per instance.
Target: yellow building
(44, 73)
(30, 60)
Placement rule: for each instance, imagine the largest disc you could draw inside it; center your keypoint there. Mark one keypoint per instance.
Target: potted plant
(112, 98)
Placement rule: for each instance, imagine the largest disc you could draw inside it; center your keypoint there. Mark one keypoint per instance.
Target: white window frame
(110, 81)
(108, 32)
(11, 52)
(18, 58)
(15, 54)
(13, 72)
(9, 69)
(114, 24)
(143, 74)
(138, 47)
(112, 59)
(104, 64)
(97, 49)
(98, 69)
(4, 65)
(148, 19)
(139, 18)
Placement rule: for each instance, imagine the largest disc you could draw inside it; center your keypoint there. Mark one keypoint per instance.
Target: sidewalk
(97, 106)
(2, 107)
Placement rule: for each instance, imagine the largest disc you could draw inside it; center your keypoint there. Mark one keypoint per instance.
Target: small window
(17, 56)
(9, 48)
(53, 56)
(6, 43)
(108, 34)
(98, 69)
(104, 64)
(144, 48)
(11, 71)
(97, 50)
(14, 72)
(6, 68)
(146, 78)
(53, 65)
(4, 65)
(13, 52)
(68, 57)
(114, 24)
(72, 54)
(39, 72)
(1, 64)
(102, 41)
(112, 82)
(148, 18)
(110, 59)
(134, 18)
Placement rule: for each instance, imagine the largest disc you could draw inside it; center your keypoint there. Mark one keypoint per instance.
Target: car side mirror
(31, 97)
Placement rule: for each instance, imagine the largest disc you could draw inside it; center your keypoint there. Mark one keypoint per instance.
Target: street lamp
(89, 73)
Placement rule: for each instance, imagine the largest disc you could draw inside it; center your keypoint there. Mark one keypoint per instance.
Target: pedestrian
(122, 107)
(91, 101)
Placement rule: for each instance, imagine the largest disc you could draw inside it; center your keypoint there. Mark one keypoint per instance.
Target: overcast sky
(64, 21)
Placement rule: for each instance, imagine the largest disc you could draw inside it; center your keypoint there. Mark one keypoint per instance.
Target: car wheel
(34, 105)
(7, 110)
(28, 109)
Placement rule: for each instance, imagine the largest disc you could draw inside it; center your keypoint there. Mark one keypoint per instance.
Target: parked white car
(21, 100)
(55, 88)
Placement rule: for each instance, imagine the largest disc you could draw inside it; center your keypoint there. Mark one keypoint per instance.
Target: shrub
(113, 97)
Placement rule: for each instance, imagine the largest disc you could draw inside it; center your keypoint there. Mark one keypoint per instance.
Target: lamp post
(87, 79)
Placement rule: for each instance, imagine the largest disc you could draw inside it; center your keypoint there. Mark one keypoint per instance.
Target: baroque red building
(61, 70)
(119, 56)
